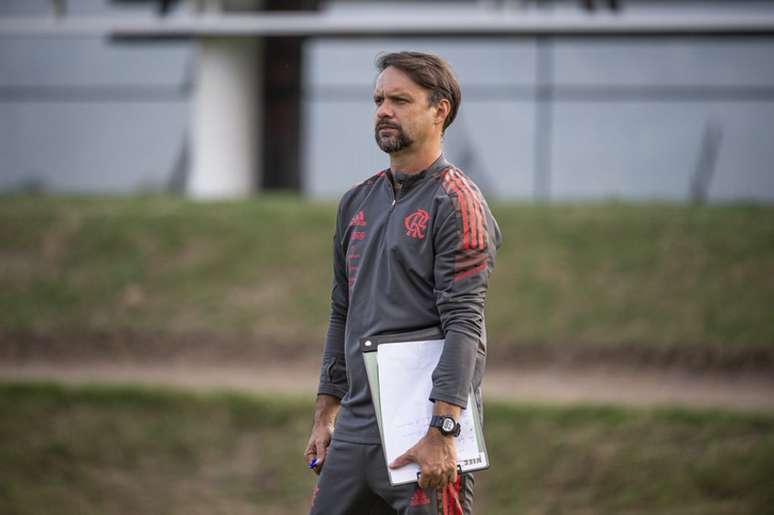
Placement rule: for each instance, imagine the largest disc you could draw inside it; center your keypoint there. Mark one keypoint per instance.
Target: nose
(383, 111)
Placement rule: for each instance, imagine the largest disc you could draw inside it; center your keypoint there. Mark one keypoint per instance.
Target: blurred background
(169, 172)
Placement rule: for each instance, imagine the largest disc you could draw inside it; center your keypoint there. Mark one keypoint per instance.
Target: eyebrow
(399, 95)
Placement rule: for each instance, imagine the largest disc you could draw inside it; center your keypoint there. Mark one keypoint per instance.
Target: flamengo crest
(416, 223)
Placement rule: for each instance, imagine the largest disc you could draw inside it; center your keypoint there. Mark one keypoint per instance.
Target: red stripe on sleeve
(481, 216)
(465, 244)
(477, 208)
(482, 234)
(470, 205)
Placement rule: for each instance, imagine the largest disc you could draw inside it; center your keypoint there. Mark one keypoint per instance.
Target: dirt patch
(202, 361)
(552, 385)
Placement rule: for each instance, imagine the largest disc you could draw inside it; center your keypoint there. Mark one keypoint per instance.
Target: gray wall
(89, 116)
(602, 118)
(84, 114)
(559, 118)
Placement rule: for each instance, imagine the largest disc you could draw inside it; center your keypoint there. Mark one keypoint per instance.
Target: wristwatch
(446, 425)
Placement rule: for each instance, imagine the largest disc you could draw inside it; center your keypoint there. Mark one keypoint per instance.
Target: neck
(415, 160)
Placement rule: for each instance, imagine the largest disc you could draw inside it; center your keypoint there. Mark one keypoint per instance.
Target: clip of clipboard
(370, 348)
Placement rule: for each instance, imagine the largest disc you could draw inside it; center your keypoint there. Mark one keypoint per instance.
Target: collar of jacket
(409, 180)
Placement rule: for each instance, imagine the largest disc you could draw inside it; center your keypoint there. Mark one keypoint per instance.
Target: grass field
(129, 450)
(657, 279)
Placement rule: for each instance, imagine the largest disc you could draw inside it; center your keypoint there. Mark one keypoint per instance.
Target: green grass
(163, 264)
(606, 275)
(633, 274)
(128, 450)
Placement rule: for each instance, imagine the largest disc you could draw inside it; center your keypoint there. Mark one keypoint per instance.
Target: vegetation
(128, 450)
(661, 278)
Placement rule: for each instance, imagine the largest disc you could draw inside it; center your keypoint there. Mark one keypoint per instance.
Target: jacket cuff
(331, 389)
(435, 395)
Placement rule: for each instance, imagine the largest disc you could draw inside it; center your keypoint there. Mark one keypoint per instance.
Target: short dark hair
(429, 71)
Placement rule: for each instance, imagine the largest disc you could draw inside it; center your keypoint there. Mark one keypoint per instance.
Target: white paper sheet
(405, 382)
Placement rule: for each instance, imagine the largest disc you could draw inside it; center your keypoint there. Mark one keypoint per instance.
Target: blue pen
(313, 464)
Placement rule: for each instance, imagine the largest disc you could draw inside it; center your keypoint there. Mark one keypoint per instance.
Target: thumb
(321, 451)
(402, 460)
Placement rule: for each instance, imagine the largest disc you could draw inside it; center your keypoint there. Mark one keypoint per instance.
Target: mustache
(387, 125)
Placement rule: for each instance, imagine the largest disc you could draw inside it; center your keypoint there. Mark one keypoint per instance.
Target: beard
(394, 142)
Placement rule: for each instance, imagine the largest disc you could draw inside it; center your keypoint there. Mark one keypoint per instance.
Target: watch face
(448, 425)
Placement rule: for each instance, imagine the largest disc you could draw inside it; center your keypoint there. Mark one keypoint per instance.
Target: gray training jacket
(412, 260)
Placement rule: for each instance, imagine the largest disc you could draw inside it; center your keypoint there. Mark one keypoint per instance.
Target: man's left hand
(437, 459)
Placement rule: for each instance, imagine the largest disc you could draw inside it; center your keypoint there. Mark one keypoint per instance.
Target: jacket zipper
(392, 207)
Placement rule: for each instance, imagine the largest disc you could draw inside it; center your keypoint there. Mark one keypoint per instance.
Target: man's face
(403, 115)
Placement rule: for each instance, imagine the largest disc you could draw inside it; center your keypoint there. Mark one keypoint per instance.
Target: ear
(442, 110)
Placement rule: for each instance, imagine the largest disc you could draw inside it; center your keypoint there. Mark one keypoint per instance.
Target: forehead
(393, 80)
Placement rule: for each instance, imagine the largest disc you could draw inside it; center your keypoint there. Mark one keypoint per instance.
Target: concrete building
(550, 110)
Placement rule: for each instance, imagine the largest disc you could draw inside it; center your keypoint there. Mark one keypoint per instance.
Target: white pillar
(227, 115)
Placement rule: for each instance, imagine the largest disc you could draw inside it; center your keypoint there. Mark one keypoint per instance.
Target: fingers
(438, 478)
(404, 459)
(321, 450)
(310, 452)
(428, 480)
(316, 450)
(310, 455)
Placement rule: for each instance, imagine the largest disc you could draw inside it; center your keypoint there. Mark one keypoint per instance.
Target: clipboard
(477, 457)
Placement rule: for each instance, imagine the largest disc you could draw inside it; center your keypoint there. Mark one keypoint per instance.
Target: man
(413, 248)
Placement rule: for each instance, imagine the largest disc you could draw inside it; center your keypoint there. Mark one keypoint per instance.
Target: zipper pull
(393, 202)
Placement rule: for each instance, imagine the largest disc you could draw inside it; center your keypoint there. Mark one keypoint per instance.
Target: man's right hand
(325, 412)
(318, 444)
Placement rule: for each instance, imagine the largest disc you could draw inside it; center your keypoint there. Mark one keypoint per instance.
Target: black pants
(354, 481)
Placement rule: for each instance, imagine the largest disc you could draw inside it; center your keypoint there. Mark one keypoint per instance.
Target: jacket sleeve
(333, 371)
(465, 244)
